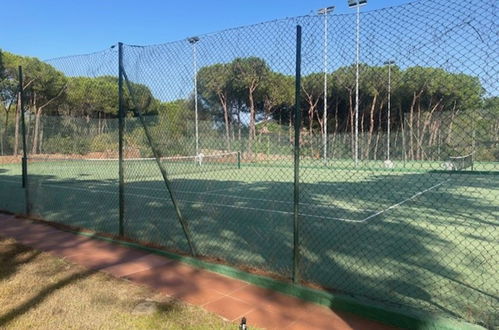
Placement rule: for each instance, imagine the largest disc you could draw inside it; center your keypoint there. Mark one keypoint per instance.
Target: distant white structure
(448, 166)
(388, 164)
(199, 158)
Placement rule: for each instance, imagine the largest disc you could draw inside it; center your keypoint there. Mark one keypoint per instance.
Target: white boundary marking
(193, 202)
(58, 186)
(404, 201)
(211, 192)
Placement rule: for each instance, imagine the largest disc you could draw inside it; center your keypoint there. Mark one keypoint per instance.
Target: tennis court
(364, 231)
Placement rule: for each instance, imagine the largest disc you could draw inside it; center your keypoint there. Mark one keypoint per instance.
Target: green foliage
(104, 142)
(214, 82)
(249, 84)
(89, 96)
(248, 73)
(58, 144)
(2, 67)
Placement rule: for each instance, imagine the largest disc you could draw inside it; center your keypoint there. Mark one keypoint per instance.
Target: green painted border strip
(334, 301)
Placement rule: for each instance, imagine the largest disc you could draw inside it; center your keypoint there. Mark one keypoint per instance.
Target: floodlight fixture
(356, 3)
(193, 40)
(389, 62)
(326, 10)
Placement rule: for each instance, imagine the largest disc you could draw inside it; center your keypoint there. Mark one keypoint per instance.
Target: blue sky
(53, 28)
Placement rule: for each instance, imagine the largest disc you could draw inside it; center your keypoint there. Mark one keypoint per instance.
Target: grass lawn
(38, 290)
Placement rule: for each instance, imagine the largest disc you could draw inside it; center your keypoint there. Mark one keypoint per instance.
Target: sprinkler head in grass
(243, 325)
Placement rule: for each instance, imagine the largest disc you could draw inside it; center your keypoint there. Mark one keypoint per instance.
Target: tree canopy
(420, 98)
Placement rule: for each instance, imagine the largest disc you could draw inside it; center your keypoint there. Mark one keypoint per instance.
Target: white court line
(194, 202)
(404, 201)
(210, 193)
(254, 208)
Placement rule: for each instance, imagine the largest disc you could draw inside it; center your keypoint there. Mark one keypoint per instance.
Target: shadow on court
(425, 248)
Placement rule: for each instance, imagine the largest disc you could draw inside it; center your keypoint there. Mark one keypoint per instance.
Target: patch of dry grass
(38, 290)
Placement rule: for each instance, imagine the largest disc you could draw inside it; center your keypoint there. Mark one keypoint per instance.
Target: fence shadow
(426, 252)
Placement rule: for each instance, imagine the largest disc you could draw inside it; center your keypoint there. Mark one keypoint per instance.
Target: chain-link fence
(190, 146)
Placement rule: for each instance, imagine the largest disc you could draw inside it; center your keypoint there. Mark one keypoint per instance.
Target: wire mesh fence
(190, 146)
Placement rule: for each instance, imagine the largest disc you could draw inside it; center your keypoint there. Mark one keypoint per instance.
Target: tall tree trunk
(371, 126)
(252, 130)
(449, 132)
(435, 128)
(99, 131)
(335, 129)
(34, 147)
(38, 111)
(312, 105)
(239, 124)
(5, 129)
(411, 122)
(379, 131)
(427, 122)
(41, 138)
(233, 129)
(352, 119)
(223, 102)
(16, 129)
(279, 130)
(4, 133)
(376, 144)
(402, 130)
(418, 131)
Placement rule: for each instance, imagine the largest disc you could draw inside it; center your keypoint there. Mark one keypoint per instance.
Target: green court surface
(414, 236)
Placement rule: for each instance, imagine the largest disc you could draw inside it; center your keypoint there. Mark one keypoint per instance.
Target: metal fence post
(157, 157)
(296, 224)
(24, 162)
(121, 189)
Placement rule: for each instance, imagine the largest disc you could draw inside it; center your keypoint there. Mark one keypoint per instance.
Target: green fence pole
(296, 224)
(24, 162)
(238, 159)
(121, 189)
(157, 157)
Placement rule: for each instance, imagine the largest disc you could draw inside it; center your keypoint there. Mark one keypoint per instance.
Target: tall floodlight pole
(389, 63)
(357, 4)
(193, 41)
(325, 12)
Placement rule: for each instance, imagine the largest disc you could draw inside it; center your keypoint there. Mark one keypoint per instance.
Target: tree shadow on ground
(421, 254)
(14, 255)
(41, 296)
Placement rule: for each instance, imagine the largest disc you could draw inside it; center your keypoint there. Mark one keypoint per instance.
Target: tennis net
(135, 167)
(460, 162)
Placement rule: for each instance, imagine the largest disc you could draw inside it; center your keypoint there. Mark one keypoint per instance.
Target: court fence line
(241, 146)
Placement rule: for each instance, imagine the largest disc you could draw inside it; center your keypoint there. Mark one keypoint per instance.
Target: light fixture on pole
(193, 41)
(357, 4)
(325, 12)
(389, 63)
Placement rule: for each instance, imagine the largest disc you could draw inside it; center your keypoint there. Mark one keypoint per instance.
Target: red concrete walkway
(230, 298)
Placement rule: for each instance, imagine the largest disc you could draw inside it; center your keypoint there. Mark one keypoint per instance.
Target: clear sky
(53, 28)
